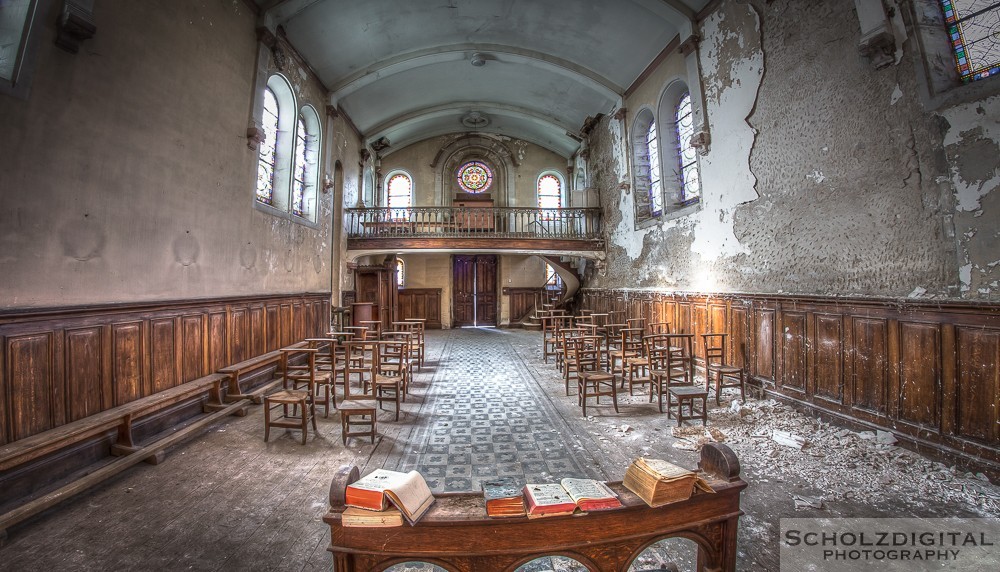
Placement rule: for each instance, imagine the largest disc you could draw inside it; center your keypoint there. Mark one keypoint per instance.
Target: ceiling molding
(563, 151)
(458, 52)
(459, 108)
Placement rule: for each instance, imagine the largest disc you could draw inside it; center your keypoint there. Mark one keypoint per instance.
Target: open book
(408, 491)
(564, 497)
(658, 482)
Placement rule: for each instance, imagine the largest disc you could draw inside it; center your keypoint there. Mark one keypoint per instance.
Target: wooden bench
(235, 372)
(457, 534)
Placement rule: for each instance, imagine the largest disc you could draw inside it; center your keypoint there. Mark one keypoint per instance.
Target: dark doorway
(474, 295)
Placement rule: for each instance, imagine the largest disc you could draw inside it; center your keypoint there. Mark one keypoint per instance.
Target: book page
(663, 469)
(412, 495)
(379, 480)
(548, 494)
(580, 489)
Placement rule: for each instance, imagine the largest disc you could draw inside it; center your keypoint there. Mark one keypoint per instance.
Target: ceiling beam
(462, 107)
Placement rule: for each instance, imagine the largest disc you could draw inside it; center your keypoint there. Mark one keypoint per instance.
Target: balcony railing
(474, 222)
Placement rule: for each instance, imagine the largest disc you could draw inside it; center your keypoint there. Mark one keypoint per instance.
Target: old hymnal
(408, 491)
(564, 497)
(658, 482)
(503, 497)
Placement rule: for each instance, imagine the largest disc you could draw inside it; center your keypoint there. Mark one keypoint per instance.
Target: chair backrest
(393, 353)
(657, 348)
(659, 328)
(584, 353)
(636, 323)
(682, 344)
(715, 348)
(632, 340)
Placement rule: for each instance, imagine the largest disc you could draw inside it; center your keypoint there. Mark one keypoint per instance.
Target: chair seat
(357, 405)
(597, 376)
(724, 368)
(289, 396)
(687, 391)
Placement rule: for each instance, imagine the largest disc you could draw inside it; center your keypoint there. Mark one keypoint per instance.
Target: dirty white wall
(824, 175)
(125, 176)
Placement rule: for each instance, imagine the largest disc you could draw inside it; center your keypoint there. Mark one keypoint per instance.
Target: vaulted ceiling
(531, 69)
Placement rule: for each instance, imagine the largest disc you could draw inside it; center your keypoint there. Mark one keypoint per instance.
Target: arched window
(549, 190)
(400, 272)
(646, 167)
(687, 156)
(266, 150)
(399, 194)
(972, 29)
(288, 154)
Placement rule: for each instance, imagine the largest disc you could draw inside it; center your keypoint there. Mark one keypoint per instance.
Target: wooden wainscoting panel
(520, 301)
(739, 336)
(792, 344)
(217, 342)
(285, 325)
(670, 314)
(978, 397)
(717, 317)
(84, 372)
(162, 353)
(258, 329)
(763, 343)
(241, 336)
(918, 396)
(828, 357)
(127, 357)
(425, 303)
(29, 384)
(869, 360)
(193, 344)
(4, 390)
(699, 326)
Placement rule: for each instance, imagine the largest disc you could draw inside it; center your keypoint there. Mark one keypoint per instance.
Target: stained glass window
(475, 177)
(399, 192)
(299, 172)
(549, 195)
(400, 269)
(690, 179)
(265, 154)
(655, 192)
(974, 30)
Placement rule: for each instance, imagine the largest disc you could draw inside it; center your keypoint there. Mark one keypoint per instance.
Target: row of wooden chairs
(596, 354)
(381, 366)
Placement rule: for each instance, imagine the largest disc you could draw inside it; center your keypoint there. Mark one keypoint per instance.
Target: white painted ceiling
(402, 69)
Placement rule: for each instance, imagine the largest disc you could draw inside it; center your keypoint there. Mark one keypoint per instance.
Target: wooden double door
(474, 291)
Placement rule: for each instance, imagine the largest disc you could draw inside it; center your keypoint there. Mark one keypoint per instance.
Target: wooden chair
(668, 366)
(564, 334)
(374, 331)
(592, 379)
(329, 366)
(357, 418)
(630, 346)
(421, 325)
(359, 360)
(581, 353)
(297, 406)
(659, 328)
(414, 346)
(392, 372)
(637, 323)
(550, 335)
(718, 367)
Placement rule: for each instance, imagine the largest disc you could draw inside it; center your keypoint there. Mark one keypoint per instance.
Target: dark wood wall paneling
(64, 364)
(927, 371)
(522, 301)
(422, 303)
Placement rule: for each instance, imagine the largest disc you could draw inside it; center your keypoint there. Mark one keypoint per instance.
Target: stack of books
(658, 482)
(386, 498)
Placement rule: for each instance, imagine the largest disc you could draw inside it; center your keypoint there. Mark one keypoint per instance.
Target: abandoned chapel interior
(253, 249)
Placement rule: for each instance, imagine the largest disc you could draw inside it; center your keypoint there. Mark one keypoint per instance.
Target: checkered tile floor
(489, 418)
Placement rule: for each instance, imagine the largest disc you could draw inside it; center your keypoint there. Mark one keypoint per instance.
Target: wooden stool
(688, 394)
(357, 413)
(294, 398)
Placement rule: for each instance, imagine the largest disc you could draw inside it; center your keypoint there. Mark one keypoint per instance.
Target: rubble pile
(777, 441)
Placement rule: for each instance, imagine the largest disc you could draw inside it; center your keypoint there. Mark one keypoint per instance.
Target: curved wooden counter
(457, 535)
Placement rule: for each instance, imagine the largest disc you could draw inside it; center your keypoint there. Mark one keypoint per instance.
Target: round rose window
(475, 177)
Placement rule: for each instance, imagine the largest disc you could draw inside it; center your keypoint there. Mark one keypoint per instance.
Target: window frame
(19, 84)
(401, 213)
(644, 201)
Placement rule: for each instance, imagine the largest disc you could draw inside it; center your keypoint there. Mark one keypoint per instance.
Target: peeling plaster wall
(125, 176)
(824, 175)
(972, 142)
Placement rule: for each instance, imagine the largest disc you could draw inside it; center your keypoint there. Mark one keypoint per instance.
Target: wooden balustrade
(477, 222)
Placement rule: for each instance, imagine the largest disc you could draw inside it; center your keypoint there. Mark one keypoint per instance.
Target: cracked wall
(125, 176)
(824, 176)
